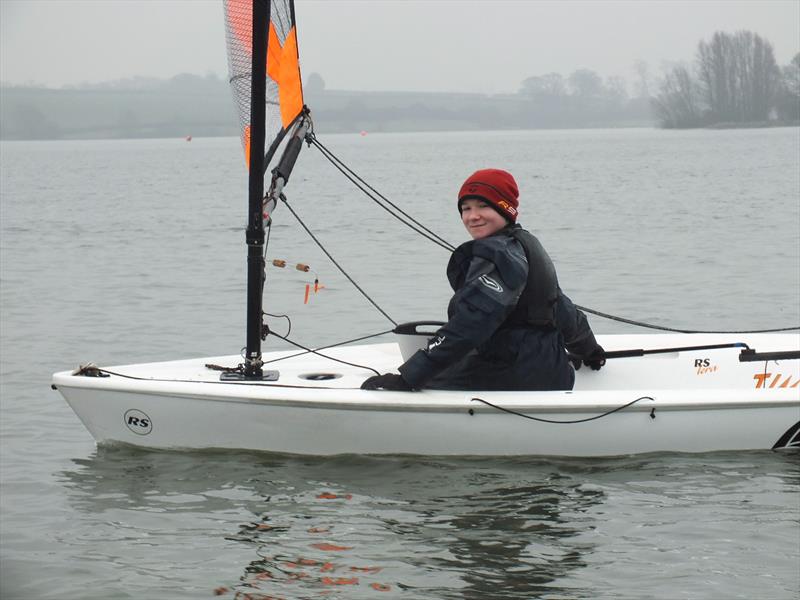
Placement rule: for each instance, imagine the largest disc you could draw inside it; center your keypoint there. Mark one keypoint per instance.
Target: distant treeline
(202, 106)
(181, 106)
(734, 82)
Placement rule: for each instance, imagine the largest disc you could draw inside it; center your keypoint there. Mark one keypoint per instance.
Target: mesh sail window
(284, 91)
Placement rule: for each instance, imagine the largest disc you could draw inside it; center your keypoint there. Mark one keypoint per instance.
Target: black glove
(595, 359)
(388, 381)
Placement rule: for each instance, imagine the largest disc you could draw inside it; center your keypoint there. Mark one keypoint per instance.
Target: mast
(255, 223)
(264, 74)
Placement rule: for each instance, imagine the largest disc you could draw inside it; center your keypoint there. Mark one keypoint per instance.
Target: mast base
(239, 376)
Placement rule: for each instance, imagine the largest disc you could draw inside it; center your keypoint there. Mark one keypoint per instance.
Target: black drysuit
(485, 345)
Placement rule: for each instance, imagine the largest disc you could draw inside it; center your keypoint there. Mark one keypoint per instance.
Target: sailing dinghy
(658, 392)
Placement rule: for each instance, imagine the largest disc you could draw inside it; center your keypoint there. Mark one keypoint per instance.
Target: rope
(240, 368)
(519, 414)
(356, 180)
(664, 328)
(359, 339)
(333, 260)
(344, 362)
(288, 320)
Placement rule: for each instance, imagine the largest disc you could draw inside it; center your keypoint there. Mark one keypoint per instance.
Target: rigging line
(344, 362)
(361, 185)
(264, 255)
(365, 337)
(266, 246)
(433, 238)
(664, 328)
(331, 156)
(519, 414)
(333, 260)
(347, 171)
(288, 320)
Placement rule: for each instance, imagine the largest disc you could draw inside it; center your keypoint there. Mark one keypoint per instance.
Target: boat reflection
(522, 541)
(307, 527)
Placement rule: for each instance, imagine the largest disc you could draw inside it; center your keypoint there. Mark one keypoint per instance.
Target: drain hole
(320, 376)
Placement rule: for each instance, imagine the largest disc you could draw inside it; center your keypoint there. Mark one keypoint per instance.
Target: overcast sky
(405, 45)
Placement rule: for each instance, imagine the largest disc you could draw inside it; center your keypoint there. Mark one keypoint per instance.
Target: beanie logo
(490, 283)
(507, 207)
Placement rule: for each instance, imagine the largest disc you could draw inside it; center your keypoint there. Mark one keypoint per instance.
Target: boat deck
(692, 374)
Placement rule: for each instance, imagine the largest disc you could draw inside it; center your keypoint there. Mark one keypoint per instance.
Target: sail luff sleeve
(255, 224)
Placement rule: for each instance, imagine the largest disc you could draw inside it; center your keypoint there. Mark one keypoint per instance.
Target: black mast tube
(255, 223)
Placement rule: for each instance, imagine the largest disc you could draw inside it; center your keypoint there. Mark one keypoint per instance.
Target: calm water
(129, 251)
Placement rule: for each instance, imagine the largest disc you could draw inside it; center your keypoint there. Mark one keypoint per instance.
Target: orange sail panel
(246, 144)
(284, 91)
(284, 69)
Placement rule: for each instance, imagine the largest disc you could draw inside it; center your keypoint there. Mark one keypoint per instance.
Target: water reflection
(520, 540)
(130, 478)
(344, 526)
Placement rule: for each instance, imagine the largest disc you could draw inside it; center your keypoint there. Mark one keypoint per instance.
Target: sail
(284, 91)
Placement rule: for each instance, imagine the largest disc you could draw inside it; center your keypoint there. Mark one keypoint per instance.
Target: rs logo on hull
(703, 366)
(138, 422)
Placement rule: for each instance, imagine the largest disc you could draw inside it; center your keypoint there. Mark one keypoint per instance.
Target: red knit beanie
(495, 187)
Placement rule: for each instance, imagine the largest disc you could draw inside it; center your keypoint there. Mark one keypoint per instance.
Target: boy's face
(480, 219)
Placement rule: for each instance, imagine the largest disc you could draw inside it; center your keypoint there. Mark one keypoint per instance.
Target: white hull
(690, 402)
